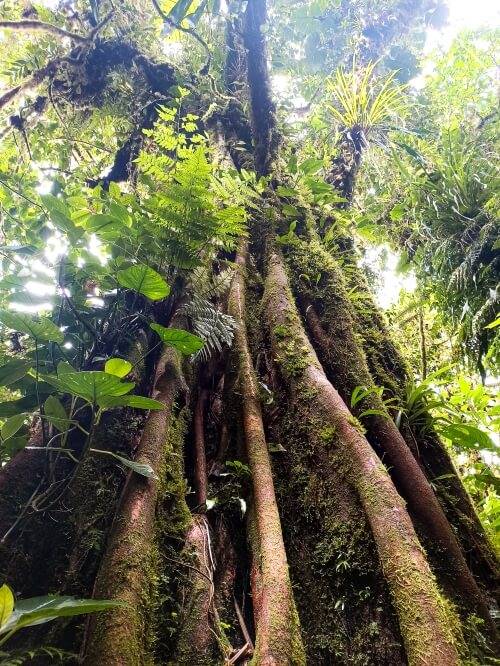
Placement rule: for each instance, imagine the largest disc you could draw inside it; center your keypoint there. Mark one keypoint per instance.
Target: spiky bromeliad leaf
(358, 102)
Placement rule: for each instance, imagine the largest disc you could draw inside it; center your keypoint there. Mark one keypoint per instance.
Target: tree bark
(346, 367)
(418, 604)
(118, 638)
(277, 626)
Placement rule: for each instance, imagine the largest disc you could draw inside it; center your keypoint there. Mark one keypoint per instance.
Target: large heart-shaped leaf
(90, 385)
(40, 328)
(185, 342)
(55, 413)
(37, 610)
(11, 407)
(13, 371)
(144, 280)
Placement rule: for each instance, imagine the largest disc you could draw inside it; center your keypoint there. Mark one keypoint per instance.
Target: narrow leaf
(140, 468)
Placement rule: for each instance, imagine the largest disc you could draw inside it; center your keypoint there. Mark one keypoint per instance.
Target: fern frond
(215, 327)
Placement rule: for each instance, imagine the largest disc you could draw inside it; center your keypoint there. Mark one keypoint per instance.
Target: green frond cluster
(359, 98)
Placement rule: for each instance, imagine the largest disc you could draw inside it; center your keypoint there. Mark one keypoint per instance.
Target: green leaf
(144, 280)
(40, 328)
(12, 425)
(55, 413)
(118, 367)
(63, 367)
(13, 371)
(290, 211)
(136, 401)
(372, 412)
(90, 385)
(311, 166)
(6, 604)
(15, 444)
(286, 191)
(59, 214)
(140, 468)
(38, 610)
(493, 324)
(179, 10)
(106, 227)
(397, 212)
(185, 342)
(11, 407)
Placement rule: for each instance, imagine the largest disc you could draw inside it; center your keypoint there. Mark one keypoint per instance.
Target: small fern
(215, 327)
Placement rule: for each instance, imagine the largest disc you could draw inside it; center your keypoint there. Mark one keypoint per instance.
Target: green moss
(327, 434)
(341, 596)
(356, 423)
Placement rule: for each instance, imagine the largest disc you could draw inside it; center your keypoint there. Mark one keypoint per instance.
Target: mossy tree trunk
(328, 564)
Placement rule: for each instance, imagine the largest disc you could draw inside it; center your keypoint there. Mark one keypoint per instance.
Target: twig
(22, 513)
(240, 653)
(241, 620)
(188, 566)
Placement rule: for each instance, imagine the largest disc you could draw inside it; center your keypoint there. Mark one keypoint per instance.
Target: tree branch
(32, 26)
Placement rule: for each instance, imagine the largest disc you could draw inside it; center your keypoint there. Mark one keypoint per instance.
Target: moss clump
(327, 434)
(356, 423)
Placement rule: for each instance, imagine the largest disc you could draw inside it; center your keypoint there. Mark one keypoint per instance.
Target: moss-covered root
(200, 639)
(117, 638)
(278, 639)
(347, 370)
(388, 368)
(419, 607)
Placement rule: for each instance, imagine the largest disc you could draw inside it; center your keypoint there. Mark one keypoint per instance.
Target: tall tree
(195, 427)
